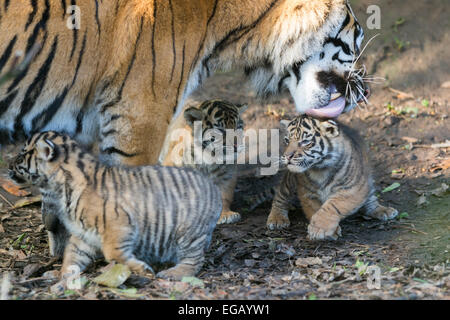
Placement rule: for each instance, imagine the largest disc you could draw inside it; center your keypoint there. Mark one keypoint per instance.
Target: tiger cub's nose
(289, 156)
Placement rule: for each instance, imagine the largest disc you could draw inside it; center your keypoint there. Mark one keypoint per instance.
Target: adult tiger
(119, 79)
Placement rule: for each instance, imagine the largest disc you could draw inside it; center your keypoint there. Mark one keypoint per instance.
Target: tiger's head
(39, 158)
(222, 127)
(310, 143)
(314, 54)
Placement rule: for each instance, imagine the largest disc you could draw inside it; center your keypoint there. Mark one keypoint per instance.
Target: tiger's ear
(45, 149)
(242, 107)
(193, 114)
(330, 128)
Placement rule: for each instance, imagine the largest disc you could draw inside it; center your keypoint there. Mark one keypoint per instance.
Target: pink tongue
(332, 110)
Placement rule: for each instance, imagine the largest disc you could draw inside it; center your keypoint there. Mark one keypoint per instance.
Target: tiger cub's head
(310, 143)
(221, 126)
(40, 157)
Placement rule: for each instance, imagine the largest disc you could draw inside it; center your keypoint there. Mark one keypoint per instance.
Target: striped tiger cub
(135, 216)
(329, 171)
(217, 116)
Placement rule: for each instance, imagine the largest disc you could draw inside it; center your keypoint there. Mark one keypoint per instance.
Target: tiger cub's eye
(305, 143)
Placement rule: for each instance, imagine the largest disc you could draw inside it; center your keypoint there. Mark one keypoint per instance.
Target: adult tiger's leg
(132, 132)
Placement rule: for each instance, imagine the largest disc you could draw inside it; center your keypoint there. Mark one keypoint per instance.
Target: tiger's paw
(227, 217)
(277, 221)
(321, 228)
(139, 267)
(383, 213)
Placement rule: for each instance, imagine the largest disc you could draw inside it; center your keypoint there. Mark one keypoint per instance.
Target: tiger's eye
(305, 143)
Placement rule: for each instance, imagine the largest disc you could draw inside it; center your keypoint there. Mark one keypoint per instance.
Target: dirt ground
(406, 127)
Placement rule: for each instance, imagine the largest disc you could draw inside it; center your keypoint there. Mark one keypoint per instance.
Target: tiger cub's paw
(229, 217)
(277, 221)
(384, 213)
(139, 267)
(321, 228)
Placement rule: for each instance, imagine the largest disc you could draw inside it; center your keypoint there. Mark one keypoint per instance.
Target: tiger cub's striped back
(221, 124)
(329, 171)
(136, 216)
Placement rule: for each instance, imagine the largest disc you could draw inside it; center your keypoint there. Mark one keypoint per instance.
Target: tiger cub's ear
(45, 150)
(193, 114)
(330, 128)
(242, 107)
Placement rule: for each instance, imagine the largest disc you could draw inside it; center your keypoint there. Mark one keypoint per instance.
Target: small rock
(305, 262)
(250, 263)
(52, 274)
(446, 85)
(390, 121)
(30, 270)
(137, 281)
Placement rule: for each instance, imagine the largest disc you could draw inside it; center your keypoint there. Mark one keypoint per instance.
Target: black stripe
(41, 25)
(109, 132)
(162, 216)
(112, 150)
(155, 8)
(80, 116)
(181, 77)
(130, 66)
(49, 112)
(34, 4)
(105, 192)
(337, 210)
(80, 59)
(96, 170)
(116, 191)
(6, 5)
(7, 53)
(40, 121)
(336, 57)
(339, 43)
(64, 7)
(344, 24)
(133, 58)
(35, 89)
(6, 103)
(202, 42)
(174, 50)
(97, 19)
(243, 30)
(81, 166)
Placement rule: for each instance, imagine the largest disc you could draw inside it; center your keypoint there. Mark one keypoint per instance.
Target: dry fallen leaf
(446, 85)
(422, 200)
(402, 95)
(444, 165)
(440, 191)
(13, 188)
(410, 139)
(114, 276)
(27, 201)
